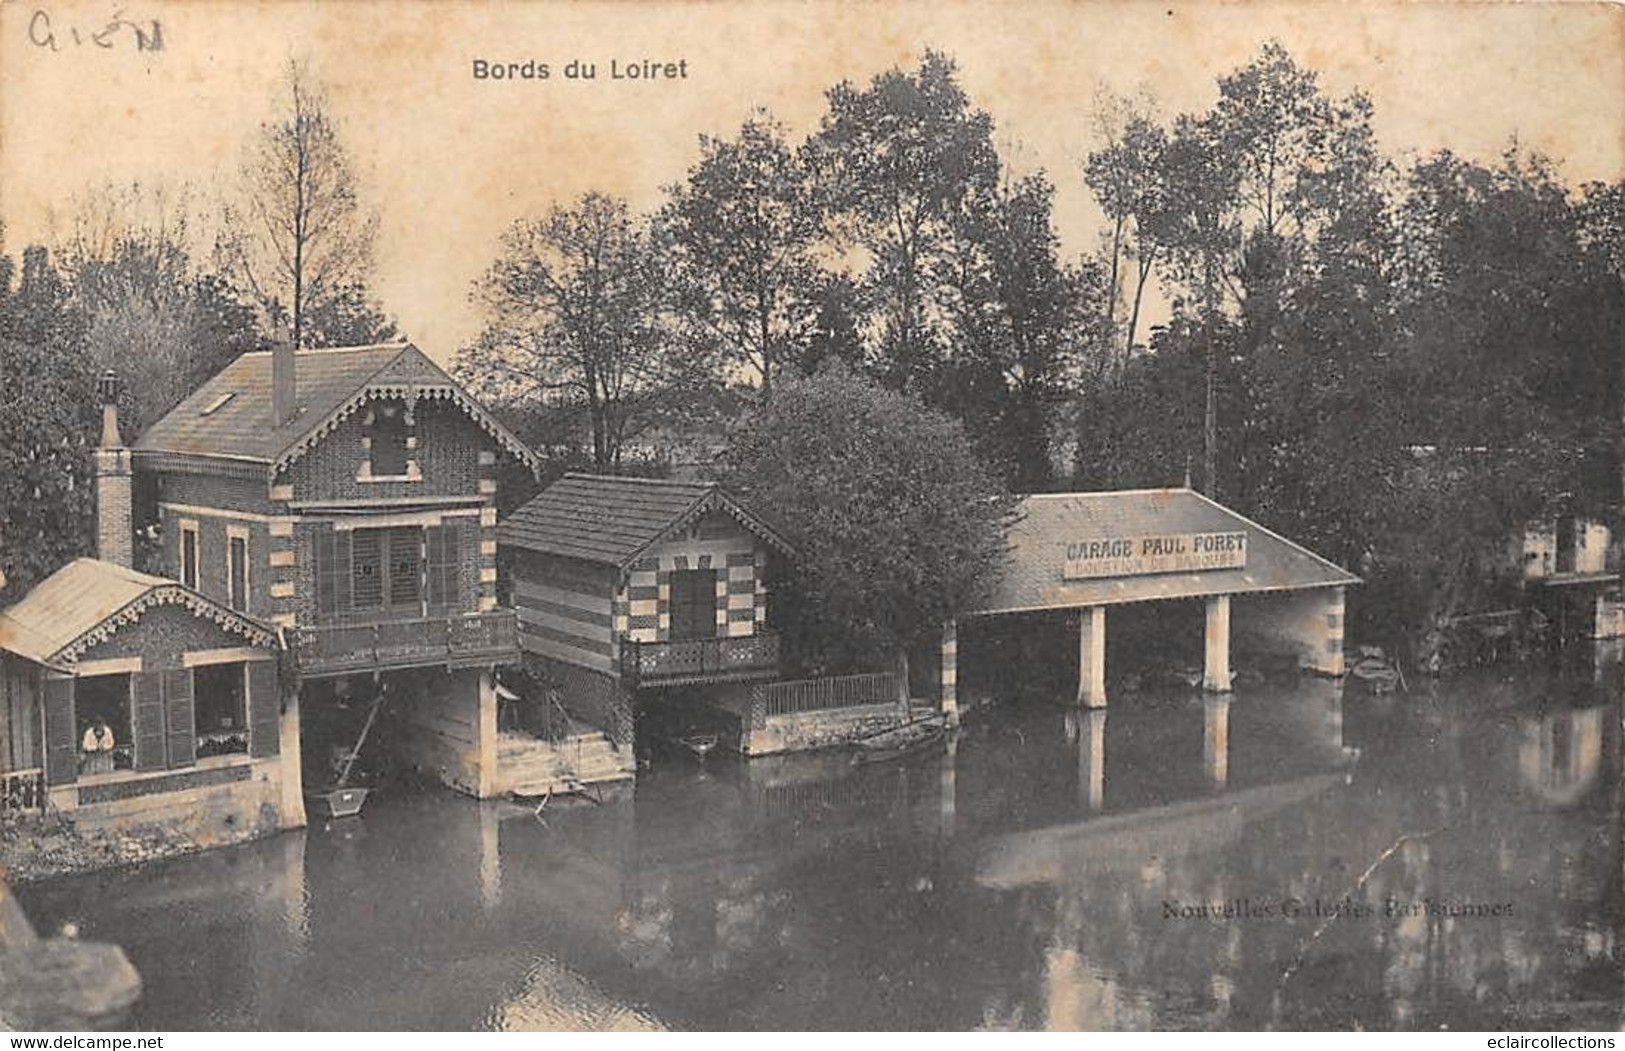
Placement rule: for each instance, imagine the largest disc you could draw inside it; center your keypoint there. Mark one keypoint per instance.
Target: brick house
(347, 496)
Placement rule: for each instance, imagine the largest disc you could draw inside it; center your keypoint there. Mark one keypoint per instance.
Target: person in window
(97, 748)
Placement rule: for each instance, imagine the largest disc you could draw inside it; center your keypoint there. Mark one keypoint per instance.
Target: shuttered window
(189, 555)
(237, 572)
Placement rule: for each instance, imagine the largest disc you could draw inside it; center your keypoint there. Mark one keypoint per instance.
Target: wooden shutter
(264, 710)
(147, 719)
(332, 571)
(367, 569)
(178, 719)
(405, 570)
(444, 551)
(61, 736)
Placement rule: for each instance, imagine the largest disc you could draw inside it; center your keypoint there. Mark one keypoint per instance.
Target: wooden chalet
(625, 586)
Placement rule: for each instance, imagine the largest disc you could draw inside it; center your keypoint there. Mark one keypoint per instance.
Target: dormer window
(389, 452)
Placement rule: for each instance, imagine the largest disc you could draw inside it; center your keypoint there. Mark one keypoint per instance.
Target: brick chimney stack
(283, 384)
(115, 539)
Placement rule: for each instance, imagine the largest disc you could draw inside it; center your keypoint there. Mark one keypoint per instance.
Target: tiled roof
(85, 594)
(1047, 523)
(75, 599)
(230, 415)
(612, 520)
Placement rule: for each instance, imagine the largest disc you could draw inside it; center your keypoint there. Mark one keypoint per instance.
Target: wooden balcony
(457, 641)
(738, 659)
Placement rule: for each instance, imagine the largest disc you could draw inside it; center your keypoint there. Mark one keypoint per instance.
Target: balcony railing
(736, 659)
(459, 640)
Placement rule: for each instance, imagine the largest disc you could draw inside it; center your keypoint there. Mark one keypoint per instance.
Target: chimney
(115, 541)
(283, 384)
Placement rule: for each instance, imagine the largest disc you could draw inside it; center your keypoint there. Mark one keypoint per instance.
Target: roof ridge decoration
(170, 594)
(410, 386)
(715, 498)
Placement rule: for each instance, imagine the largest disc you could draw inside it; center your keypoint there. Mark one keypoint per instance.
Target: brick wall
(208, 490)
(213, 536)
(446, 448)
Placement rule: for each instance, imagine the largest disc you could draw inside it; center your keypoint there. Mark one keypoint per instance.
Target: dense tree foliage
(896, 523)
(48, 424)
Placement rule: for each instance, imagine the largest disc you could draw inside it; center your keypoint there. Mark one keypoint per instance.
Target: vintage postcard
(823, 515)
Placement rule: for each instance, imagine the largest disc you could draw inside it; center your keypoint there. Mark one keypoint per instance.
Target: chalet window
(189, 554)
(237, 569)
(106, 734)
(389, 452)
(386, 570)
(220, 708)
(693, 604)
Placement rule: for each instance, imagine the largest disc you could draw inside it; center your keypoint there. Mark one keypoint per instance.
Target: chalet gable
(228, 425)
(87, 602)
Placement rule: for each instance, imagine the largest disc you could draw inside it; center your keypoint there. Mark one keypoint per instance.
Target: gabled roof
(229, 417)
(87, 600)
(1033, 576)
(612, 520)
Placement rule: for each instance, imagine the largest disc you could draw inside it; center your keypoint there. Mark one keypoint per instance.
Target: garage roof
(1046, 524)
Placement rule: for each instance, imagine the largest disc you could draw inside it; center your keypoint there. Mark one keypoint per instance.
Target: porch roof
(612, 520)
(1034, 576)
(88, 599)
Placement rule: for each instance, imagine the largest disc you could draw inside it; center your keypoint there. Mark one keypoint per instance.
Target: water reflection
(1047, 868)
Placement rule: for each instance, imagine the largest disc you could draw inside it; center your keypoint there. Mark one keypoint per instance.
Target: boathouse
(628, 588)
(1078, 556)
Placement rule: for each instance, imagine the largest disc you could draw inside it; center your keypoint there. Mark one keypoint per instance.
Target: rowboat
(899, 742)
(338, 802)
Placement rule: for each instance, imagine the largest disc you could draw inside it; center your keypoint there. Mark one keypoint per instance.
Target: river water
(1300, 854)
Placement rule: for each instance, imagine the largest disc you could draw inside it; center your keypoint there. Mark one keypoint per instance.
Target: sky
(449, 161)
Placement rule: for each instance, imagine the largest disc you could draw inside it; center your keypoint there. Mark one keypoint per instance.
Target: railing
(817, 695)
(459, 639)
(699, 660)
(22, 790)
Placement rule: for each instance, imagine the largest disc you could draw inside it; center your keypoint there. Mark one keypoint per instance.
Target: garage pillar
(1216, 673)
(1092, 657)
(950, 674)
(485, 723)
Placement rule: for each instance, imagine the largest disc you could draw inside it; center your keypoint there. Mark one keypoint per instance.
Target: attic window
(389, 439)
(215, 405)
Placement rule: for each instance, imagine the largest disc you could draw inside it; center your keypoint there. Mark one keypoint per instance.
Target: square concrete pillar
(1092, 657)
(1331, 658)
(486, 727)
(291, 760)
(950, 674)
(1216, 671)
